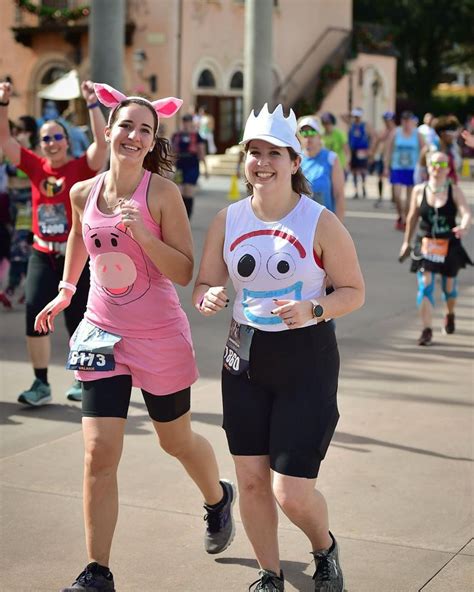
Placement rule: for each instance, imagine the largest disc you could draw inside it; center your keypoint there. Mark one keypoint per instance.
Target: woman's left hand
(132, 219)
(295, 313)
(459, 231)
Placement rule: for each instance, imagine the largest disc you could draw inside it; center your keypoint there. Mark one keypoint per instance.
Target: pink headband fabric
(110, 97)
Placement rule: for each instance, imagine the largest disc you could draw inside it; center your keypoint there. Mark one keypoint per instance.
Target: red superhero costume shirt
(51, 205)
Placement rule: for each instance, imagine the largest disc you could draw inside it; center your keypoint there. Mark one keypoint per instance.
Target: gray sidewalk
(398, 475)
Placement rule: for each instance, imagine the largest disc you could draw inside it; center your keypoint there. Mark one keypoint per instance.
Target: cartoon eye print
(281, 266)
(246, 262)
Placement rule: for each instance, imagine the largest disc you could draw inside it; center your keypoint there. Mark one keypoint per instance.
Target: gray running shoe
(268, 582)
(328, 575)
(74, 392)
(92, 580)
(38, 394)
(220, 529)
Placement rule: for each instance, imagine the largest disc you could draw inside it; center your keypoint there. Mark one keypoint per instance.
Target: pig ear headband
(110, 97)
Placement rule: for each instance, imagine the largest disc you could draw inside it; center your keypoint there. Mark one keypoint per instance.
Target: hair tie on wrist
(93, 105)
(67, 286)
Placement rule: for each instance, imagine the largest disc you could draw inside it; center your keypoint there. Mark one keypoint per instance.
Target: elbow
(360, 299)
(185, 277)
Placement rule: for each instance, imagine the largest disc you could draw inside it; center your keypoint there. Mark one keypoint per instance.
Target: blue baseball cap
(388, 115)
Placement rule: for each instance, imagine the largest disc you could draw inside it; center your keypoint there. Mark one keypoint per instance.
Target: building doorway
(227, 113)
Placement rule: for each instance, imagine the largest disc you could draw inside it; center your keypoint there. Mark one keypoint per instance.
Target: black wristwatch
(318, 310)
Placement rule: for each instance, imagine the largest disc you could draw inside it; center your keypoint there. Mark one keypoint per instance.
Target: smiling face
(267, 165)
(54, 143)
(132, 132)
(438, 167)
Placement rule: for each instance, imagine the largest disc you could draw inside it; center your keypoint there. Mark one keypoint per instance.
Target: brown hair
(299, 183)
(159, 160)
(446, 123)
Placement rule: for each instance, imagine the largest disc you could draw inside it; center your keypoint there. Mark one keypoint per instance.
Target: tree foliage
(430, 36)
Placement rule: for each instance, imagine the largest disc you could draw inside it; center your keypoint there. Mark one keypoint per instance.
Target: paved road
(398, 475)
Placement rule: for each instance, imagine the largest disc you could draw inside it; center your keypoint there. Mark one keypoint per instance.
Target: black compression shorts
(286, 406)
(110, 397)
(45, 271)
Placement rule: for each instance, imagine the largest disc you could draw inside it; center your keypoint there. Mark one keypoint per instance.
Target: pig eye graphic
(97, 243)
(281, 266)
(114, 241)
(246, 262)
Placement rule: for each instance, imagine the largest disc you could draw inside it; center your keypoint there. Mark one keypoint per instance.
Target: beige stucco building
(194, 49)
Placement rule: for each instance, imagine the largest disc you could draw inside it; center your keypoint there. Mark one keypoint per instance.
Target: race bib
(362, 154)
(52, 219)
(434, 249)
(237, 348)
(92, 349)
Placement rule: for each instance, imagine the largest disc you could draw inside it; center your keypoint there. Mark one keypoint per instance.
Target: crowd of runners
(103, 237)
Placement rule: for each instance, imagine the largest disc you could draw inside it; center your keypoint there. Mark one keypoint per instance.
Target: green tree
(430, 36)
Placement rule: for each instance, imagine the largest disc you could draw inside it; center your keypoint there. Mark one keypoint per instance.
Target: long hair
(159, 160)
(299, 183)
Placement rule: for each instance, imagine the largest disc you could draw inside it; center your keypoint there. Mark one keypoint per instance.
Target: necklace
(119, 199)
(438, 189)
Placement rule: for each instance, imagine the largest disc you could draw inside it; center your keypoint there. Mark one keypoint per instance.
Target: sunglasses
(308, 133)
(55, 137)
(439, 165)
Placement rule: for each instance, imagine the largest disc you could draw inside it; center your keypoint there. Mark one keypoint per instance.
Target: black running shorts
(110, 397)
(45, 271)
(286, 405)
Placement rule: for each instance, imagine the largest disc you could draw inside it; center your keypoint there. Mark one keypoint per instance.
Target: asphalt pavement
(398, 476)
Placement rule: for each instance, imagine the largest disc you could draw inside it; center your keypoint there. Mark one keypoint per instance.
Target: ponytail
(159, 160)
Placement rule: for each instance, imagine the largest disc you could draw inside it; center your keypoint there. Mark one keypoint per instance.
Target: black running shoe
(449, 326)
(268, 582)
(92, 579)
(426, 336)
(328, 575)
(220, 529)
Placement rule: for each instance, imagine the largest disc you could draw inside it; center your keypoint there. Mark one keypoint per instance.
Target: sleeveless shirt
(129, 295)
(268, 260)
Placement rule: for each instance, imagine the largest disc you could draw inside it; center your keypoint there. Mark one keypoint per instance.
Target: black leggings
(110, 397)
(45, 271)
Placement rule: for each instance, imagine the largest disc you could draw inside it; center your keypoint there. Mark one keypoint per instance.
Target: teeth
(264, 175)
(133, 148)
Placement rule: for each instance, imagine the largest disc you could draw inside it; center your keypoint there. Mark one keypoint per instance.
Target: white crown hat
(274, 128)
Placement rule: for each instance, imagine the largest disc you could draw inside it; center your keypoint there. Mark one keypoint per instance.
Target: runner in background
(401, 156)
(377, 153)
(51, 175)
(335, 139)
(360, 142)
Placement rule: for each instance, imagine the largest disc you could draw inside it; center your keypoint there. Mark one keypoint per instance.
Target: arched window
(206, 79)
(237, 81)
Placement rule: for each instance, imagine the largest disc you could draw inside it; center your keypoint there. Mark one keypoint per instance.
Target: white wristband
(67, 286)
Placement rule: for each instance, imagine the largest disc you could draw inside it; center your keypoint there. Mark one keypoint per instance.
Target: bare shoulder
(163, 187)
(329, 229)
(80, 192)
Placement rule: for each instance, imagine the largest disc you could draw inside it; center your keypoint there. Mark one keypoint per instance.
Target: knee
(177, 447)
(293, 501)
(426, 286)
(100, 459)
(449, 287)
(252, 485)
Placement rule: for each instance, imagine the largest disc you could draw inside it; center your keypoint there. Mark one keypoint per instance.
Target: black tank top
(437, 222)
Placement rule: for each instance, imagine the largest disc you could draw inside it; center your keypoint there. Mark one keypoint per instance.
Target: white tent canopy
(63, 89)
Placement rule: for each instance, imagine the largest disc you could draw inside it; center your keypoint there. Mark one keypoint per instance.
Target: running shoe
(355, 196)
(74, 392)
(449, 326)
(426, 336)
(268, 582)
(220, 529)
(328, 575)
(92, 579)
(400, 225)
(7, 303)
(38, 394)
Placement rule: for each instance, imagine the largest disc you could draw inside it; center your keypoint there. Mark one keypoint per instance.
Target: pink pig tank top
(128, 295)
